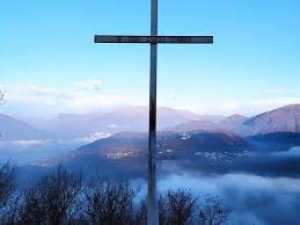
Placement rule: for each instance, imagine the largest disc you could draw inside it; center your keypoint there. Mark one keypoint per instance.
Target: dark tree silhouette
(111, 203)
(7, 182)
(177, 208)
(213, 212)
(141, 213)
(8, 199)
(1, 101)
(52, 199)
(181, 206)
(59, 199)
(1, 96)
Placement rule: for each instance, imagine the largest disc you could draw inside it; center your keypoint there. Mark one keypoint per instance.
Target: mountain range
(70, 126)
(284, 119)
(207, 144)
(14, 129)
(125, 154)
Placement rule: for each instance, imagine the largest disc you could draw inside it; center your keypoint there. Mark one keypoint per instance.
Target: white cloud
(266, 104)
(113, 125)
(227, 106)
(175, 101)
(95, 136)
(30, 99)
(292, 152)
(215, 185)
(89, 84)
(281, 91)
(40, 99)
(28, 143)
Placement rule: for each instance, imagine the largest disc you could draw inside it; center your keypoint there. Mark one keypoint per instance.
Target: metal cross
(153, 40)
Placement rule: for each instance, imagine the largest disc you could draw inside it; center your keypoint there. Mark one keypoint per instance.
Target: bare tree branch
(213, 212)
(7, 182)
(111, 203)
(51, 200)
(1, 97)
(58, 199)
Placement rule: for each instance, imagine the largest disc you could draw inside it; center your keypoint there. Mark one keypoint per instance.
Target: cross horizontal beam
(154, 39)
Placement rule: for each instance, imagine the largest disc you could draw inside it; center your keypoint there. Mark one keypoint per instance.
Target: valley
(209, 154)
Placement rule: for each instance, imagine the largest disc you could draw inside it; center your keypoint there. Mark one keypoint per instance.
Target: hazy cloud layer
(81, 97)
(84, 96)
(292, 152)
(253, 199)
(25, 151)
(89, 84)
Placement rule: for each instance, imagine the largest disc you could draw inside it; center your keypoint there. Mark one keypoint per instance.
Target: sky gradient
(49, 63)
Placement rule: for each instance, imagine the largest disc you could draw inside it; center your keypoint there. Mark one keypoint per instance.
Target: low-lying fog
(293, 152)
(26, 151)
(252, 199)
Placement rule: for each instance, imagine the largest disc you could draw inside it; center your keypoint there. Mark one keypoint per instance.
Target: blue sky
(49, 63)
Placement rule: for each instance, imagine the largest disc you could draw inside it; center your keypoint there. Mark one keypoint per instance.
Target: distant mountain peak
(236, 116)
(129, 134)
(14, 129)
(283, 119)
(291, 107)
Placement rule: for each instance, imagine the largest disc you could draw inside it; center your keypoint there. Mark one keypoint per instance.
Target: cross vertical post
(152, 209)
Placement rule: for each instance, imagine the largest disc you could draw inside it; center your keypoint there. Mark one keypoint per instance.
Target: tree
(8, 200)
(141, 212)
(177, 208)
(58, 199)
(111, 203)
(1, 101)
(1, 96)
(52, 199)
(180, 207)
(7, 182)
(213, 212)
